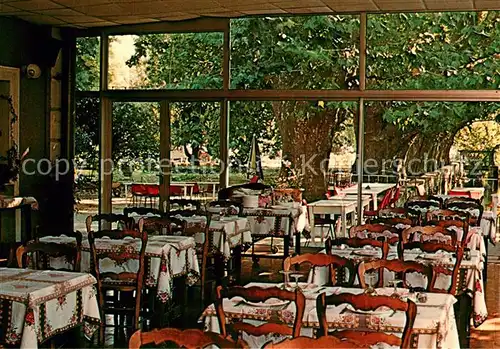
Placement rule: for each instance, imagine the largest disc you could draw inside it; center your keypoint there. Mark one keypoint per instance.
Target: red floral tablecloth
(39, 304)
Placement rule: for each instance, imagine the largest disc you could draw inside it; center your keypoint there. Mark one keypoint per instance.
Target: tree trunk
(429, 153)
(307, 135)
(384, 142)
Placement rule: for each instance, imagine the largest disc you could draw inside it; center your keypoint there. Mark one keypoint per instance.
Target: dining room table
(434, 326)
(470, 275)
(38, 304)
(168, 257)
(331, 207)
(372, 189)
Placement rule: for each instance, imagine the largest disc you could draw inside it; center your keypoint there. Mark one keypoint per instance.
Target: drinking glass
(286, 278)
(297, 277)
(371, 283)
(395, 283)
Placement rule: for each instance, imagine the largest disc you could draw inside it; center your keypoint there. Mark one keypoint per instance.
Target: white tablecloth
(434, 324)
(168, 257)
(41, 303)
(264, 224)
(472, 270)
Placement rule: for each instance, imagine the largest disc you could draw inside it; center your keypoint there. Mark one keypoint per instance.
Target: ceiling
(101, 13)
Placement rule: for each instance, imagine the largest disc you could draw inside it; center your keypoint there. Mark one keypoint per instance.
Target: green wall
(22, 43)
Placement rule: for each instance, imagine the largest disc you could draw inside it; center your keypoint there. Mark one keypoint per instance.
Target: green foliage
(87, 64)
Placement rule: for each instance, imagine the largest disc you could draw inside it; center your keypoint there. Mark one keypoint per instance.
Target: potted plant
(288, 188)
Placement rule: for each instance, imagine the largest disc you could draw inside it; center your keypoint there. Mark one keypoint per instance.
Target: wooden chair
(418, 208)
(392, 221)
(122, 221)
(367, 302)
(190, 339)
(42, 252)
(471, 206)
(258, 294)
(229, 207)
(210, 259)
(429, 233)
(400, 268)
(184, 213)
(395, 212)
(360, 243)
(119, 282)
(185, 204)
(338, 266)
(308, 342)
(446, 214)
(373, 231)
(164, 225)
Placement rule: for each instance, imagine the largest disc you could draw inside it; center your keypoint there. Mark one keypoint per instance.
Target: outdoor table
(329, 207)
(470, 275)
(476, 192)
(434, 326)
(38, 304)
(373, 189)
(167, 257)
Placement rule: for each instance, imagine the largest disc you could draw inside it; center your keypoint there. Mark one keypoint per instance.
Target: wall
(22, 43)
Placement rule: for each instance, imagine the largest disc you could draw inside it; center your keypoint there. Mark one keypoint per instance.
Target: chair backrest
(338, 266)
(366, 302)
(126, 222)
(228, 207)
(418, 208)
(399, 267)
(164, 225)
(360, 243)
(446, 214)
(440, 269)
(460, 193)
(190, 339)
(392, 221)
(183, 213)
(308, 342)
(437, 199)
(396, 212)
(40, 254)
(258, 294)
(142, 211)
(373, 231)
(386, 199)
(473, 207)
(429, 233)
(185, 204)
(121, 255)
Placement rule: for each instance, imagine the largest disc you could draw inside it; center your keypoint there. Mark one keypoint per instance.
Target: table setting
(434, 326)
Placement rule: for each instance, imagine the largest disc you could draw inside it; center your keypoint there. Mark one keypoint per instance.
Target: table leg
(374, 200)
(297, 242)
(344, 221)
(286, 241)
(311, 223)
(237, 263)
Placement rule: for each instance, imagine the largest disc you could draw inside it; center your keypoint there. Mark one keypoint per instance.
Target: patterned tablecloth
(168, 257)
(434, 326)
(470, 273)
(228, 232)
(261, 219)
(36, 305)
(489, 225)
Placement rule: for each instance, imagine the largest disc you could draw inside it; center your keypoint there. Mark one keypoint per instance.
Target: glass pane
(301, 143)
(453, 50)
(408, 139)
(195, 149)
(135, 151)
(86, 160)
(300, 52)
(166, 61)
(87, 64)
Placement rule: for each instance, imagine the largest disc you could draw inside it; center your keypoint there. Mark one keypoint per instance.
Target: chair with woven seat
(127, 286)
(308, 342)
(189, 338)
(258, 294)
(366, 302)
(338, 266)
(400, 268)
(37, 255)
